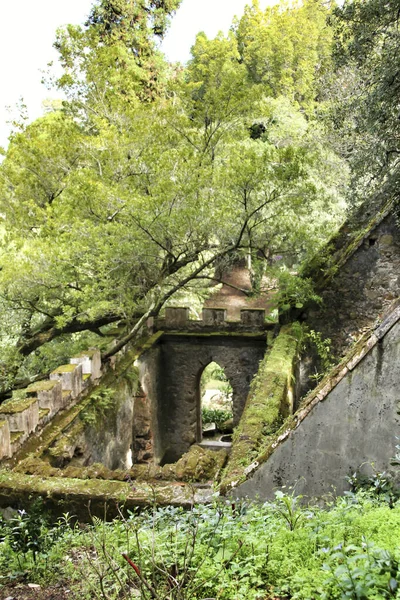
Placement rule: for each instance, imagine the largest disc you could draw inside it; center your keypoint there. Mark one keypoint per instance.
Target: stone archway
(218, 376)
(180, 363)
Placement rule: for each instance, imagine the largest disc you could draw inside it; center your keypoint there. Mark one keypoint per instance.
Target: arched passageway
(215, 395)
(179, 363)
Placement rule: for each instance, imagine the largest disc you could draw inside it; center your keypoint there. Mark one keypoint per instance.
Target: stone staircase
(42, 400)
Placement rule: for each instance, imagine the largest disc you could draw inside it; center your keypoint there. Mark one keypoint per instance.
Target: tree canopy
(153, 174)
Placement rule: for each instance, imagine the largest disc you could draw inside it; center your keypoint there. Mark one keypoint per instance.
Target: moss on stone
(67, 441)
(17, 406)
(64, 369)
(76, 494)
(3, 424)
(43, 412)
(15, 436)
(41, 386)
(86, 353)
(267, 405)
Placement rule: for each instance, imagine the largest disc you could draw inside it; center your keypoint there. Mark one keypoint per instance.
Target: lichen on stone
(64, 369)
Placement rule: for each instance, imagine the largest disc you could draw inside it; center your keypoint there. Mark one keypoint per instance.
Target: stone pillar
(214, 316)
(5, 444)
(22, 415)
(253, 317)
(49, 395)
(90, 361)
(70, 377)
(176, 317)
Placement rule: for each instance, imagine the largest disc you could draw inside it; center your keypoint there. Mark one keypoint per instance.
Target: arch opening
(215, 412)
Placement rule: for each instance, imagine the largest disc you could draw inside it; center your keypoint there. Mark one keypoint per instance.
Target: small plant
(216, 416)
(363, 573)
(287, 506)
(323, 349)
(101, 401)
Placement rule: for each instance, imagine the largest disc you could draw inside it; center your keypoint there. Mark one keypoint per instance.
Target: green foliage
(295, 291)
(119, 201)
(217, 416)
(29, 536)
(286, 48)
(101, 401)
(322, 346)
(365, 113)
(226, 550)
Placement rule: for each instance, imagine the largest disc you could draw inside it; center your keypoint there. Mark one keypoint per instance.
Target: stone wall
(352, 420)
(181, 364)
(146, 443)
(109, 441)
(361, 290)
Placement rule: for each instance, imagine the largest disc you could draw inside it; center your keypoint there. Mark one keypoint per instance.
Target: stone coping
(12, 407)
(355, 355)
(87, 497)
(41, 386)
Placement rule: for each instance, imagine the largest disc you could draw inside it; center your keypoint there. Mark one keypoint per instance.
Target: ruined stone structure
(312, 443)
(171, 378)
(350, 422)
(358, 280)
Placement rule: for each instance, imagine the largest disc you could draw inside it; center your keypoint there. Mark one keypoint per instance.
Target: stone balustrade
(177, 318)
(42, 400)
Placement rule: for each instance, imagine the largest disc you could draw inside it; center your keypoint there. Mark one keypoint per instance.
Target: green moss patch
(41, 386)
(268, 404)
(64, 369)
(84, 497)
(17, 406)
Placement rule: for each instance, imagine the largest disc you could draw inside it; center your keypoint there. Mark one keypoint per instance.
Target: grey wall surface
(111, 442)
(362, 289)
(181, 364)
(356, 424)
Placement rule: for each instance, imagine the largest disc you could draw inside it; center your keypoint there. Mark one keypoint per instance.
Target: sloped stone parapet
(90, 361)
(269, 402)
(349, 423)
(254, 317)
(5, 442)
(49, 395)
(22, 416)
(70, 377)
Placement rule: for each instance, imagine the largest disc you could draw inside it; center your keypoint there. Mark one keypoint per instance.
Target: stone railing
(42, 400)
(177, 319)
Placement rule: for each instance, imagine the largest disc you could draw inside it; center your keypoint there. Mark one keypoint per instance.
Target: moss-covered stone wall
(269, 403)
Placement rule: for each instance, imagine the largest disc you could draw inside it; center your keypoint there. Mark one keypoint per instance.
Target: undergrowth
(224, 551)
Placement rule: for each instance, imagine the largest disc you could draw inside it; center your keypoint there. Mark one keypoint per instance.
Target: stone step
(214, 445)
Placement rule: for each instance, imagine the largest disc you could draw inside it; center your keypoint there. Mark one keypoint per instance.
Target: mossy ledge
(95, 497)
(16, 406)
(268, 404)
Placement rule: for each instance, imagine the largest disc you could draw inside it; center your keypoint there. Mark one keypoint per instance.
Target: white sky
(27, 33)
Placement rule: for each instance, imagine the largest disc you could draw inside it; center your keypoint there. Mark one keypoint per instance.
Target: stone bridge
(171, 371)
(161, 418)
